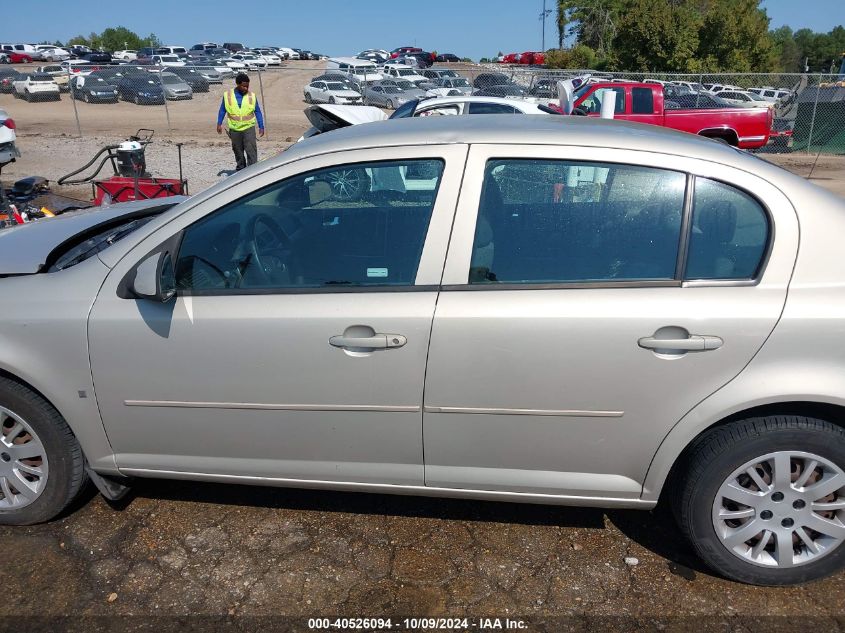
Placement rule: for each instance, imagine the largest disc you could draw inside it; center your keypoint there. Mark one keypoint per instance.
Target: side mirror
(155, 278)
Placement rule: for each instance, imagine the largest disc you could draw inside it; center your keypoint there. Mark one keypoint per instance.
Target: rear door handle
(377, 341)
(693, 343)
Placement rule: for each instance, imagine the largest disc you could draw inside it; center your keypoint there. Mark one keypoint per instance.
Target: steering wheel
(579, 111)
(250, 237)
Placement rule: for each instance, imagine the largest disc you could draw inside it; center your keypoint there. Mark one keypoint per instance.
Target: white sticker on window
(377, 272)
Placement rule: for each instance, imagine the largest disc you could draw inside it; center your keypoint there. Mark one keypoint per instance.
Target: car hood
(329, 117)
(25, 249)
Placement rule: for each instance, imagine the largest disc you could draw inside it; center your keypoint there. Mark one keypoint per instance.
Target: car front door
(296, 345)
(591, 298)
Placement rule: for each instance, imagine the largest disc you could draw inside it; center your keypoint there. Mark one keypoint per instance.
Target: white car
(744, 99)
(358, 70)
(330, 92)
(401, 71)
(60, 75)
(77, 66)
(448, 86)
(36, 86)
(250, 60)
(127, 56)
(231, 63)
(269, 56)
(772, 95)
(8, 150)
(289, 53)
(55, 54)
(167, 61)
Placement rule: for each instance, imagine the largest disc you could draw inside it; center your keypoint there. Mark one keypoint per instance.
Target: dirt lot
(234, 554)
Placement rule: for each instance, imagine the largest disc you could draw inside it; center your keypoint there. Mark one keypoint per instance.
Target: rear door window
(555, 221)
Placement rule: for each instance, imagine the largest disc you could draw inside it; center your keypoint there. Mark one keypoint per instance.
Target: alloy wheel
(782, 510)
(23, 462)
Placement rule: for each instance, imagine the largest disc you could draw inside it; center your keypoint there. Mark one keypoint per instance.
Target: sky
(468, 28)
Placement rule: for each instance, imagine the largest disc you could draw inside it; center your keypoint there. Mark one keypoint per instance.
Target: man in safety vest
(241, 108)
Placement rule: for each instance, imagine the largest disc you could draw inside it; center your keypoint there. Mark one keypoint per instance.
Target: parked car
(268, 56)
(77, 50)
(438, 73)
(377, 56)
(167, 61)
(55, 54)
(172, 50)
(400, 71)
(451, 86)
(175, 88)
(141, 89)
(195, 78)
(16, 57)
(97, 57)
(551, 242)
(744, 99)
(409, 90)
(36, 87)
(234, 47)
(532, 58)
(356, 69)
(485, 80)
(289, 52)
(93, 89)
(125, 55)
(330, 92)
(510, 91)
(8, 76)
(772, 95)
(747, 128)
(205, 46)
(390, 97)
(8, 139)
(59, 74)
(81, 66)
(212, 69)
(403, 50)
(447, 57)
(454, 105)
(233, 64)
(511, 58)
(250, 60)
(423, 59)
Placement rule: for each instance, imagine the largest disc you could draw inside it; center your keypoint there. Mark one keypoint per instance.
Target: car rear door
(591, 298)
(296, 346)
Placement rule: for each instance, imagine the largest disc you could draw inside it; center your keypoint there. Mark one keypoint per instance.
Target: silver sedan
(553, 310)
(390, 97)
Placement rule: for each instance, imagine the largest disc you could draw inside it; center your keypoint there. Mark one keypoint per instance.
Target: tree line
(687, 36)
(112, 39)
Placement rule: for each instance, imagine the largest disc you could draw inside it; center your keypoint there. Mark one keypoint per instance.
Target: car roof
(508, 129)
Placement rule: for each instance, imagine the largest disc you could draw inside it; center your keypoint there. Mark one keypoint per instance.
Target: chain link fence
(809, 110)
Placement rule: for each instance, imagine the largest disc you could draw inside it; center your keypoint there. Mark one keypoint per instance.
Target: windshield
(336, 86)
(98, 80)
(170, 79)
(404, 84)
(462, 83)
(506, 90)
(391, 90)
(404, 72)
(169, 58)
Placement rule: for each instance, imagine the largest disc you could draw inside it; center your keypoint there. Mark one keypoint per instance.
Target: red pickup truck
(746, 128)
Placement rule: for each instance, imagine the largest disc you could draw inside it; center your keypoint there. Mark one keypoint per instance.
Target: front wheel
(41, 464)
(389, 104)
(763, 499)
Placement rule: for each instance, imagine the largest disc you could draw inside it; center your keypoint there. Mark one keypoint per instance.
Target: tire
(27, 96)
(332, 100)
(724, 456)
(137, 100)
(308, 98)
(348, 184)
(390, 104)
(86, 97)
(65, 465)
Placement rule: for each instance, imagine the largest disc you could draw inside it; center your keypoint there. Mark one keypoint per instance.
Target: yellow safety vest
(241, 117)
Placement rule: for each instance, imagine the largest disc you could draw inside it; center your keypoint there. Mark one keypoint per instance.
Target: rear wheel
(390, 104)
(348, 185)
(331, 100)
(41, 464)
(763, 499)
(308, 98)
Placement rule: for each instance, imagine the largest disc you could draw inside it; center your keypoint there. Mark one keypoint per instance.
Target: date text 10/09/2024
(417, 624)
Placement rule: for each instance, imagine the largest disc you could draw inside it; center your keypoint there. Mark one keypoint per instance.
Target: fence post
(263, 101)
(70, 79)
(166, 108)
(813, 120)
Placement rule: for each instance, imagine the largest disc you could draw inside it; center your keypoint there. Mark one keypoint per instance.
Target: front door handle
(692, 343)
(376, 341)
